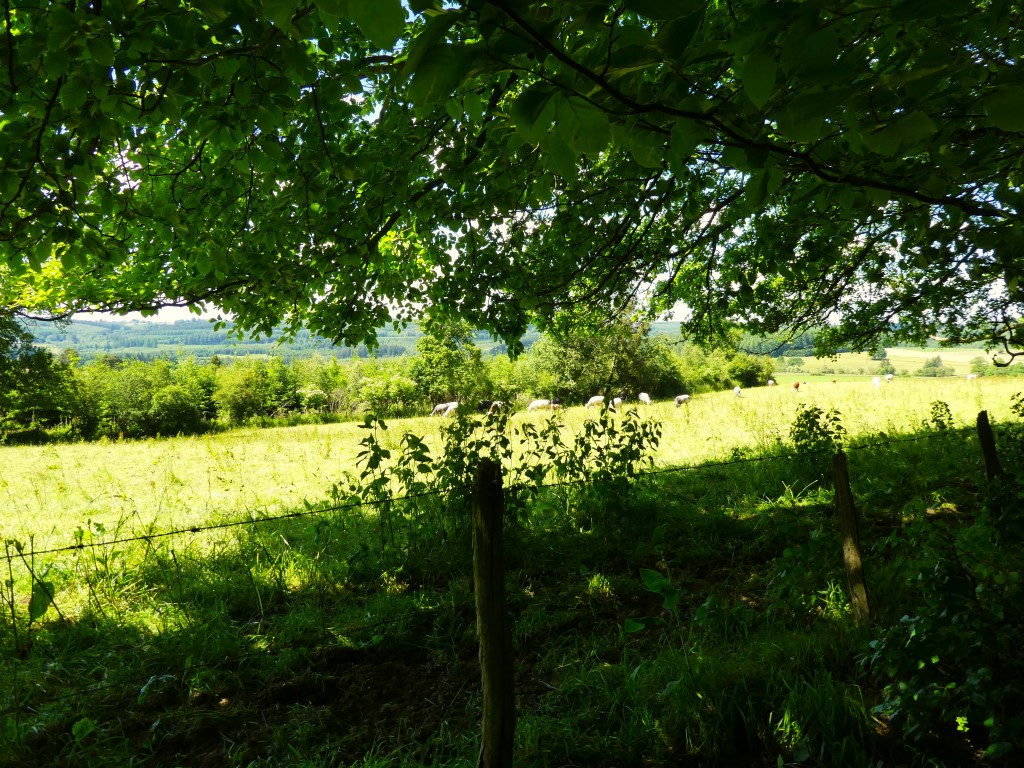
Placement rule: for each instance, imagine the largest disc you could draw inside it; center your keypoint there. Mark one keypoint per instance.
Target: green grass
(907, 362)
(309, 642)
(49, 491)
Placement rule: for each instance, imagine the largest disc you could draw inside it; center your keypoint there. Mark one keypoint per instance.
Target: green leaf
(907, 130)
(665, 9)
(815, 51)
(648, 148)
(41, 600)
(82, 728)
(1005, 107)
(382, 21)
(653, 580)
(757, 74)
(675, 36)
(914, 10)
(998, 749)
(559, 156)
(102, 50)
(282, 12)
(804, 129)
(441, 70)
(72, 96)
(526, 110)
(582, 126)
(686, 137)
(474, 106)
(632, 626)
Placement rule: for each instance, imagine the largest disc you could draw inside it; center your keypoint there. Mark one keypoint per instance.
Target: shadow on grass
(311, 642)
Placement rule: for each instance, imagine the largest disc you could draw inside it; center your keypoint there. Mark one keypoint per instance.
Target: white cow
(972, 376)
(443, 409)
(537, 405)
(682, 400)
(595, 402)
(644, 398)
(876, 382)
(737, 391)
(771, 382)
(616, 402)
(888, 378)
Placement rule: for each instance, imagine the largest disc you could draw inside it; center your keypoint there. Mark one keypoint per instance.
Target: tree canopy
(343, 164)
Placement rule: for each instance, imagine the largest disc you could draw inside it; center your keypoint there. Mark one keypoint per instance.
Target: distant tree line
(46, 397)
(150, 340)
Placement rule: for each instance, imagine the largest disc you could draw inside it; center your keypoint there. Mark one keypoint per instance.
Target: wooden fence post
(493, 627)
(988, 447)
(851, 538)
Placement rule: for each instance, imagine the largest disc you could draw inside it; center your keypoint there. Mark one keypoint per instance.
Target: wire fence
(142, 683)
(321, 509)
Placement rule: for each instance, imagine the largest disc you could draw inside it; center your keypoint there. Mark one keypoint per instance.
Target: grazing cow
(771, 382)
(888, 378)
(796, 386)
(497, 405)
(737, 391)
(682, 400)
(876, 382)
(537, 405)
(595, 402)
(972, 376)
(484, 406)
(443, 409)
(556, 403)
(644, 398)
(616, 402)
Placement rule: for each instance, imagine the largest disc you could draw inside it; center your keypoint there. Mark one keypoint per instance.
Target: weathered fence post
(499, 715)
(988, 447)
(851, 538)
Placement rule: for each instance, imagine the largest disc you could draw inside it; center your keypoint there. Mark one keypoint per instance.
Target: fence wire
(371, 503)
(320, 510)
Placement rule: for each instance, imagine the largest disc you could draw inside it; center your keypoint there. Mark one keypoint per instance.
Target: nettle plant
(950, 665)
(429, 495)
(817, 435)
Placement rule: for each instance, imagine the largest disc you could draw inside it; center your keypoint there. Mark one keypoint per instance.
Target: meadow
(48, 491)
(906, 360)
(692, 616)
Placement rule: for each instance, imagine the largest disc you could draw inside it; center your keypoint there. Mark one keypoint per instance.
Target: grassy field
(48, 491)
(906, 361)
(688, 618)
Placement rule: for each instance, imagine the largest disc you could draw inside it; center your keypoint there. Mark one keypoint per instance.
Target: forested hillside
(148, 340)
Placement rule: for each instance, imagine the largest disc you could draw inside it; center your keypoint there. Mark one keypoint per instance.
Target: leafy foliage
(949, 663)
(343, 165)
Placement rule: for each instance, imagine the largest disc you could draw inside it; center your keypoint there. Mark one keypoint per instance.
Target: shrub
(935, 368)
